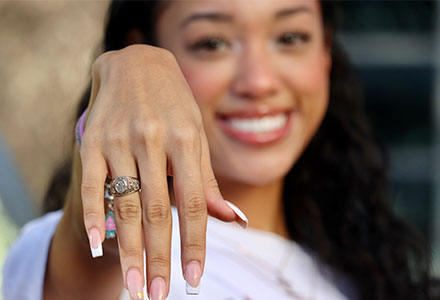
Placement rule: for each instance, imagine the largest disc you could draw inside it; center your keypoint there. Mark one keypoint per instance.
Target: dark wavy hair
(335, 196)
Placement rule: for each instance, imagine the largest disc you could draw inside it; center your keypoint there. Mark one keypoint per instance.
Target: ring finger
(128, 217)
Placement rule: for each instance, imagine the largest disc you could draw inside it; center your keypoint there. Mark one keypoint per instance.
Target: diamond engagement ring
(124, 185)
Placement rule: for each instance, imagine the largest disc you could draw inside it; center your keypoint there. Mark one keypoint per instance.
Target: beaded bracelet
(79, 128)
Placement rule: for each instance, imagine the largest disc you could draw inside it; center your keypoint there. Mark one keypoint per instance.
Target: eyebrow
(292, 11)
(222, 17)
(216, 17)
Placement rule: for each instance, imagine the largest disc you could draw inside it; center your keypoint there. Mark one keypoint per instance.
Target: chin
(264, 181)
(257, 173)
(257, 179)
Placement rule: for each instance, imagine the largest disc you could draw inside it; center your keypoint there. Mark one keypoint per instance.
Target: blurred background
(46, 50)
(47, 47)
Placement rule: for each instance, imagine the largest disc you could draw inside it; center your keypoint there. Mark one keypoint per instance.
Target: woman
(268, 89)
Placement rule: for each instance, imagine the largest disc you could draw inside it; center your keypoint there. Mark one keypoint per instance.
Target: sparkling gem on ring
(124, 185)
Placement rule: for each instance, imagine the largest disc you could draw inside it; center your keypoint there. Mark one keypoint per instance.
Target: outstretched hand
(144, 122)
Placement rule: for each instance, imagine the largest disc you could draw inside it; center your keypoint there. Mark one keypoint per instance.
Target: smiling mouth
(256, 129)
(258, 125)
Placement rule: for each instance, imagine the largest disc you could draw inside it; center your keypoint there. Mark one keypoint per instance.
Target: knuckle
(91, 216)
(198, 120)
(148, 131)
(159, 262)
(158, 214)
(89, 140)
(186, 133)
(130, 253)
(128, 210)
(194, 248)
(186, 136)
(90, 188)
(212, 183)
(116, 142)
(194, 206)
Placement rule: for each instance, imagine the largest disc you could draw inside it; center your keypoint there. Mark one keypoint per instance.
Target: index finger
(94, 172)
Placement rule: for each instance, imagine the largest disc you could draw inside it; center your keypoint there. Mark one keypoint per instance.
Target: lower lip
(257, 138)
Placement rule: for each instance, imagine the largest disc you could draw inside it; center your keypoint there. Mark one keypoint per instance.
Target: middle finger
(157, 220)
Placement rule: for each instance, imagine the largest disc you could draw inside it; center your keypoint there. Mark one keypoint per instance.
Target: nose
(256, 78)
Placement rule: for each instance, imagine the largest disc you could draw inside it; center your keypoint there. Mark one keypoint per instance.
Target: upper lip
(254, 112)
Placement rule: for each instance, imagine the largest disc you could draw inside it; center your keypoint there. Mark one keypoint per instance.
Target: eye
(210, 44)
(293, 38)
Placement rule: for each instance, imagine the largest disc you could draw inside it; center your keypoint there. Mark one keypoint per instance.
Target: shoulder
(25, 265)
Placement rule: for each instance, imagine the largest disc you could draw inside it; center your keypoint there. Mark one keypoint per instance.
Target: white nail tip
(244, 220)
(192, 290)
(96, 252)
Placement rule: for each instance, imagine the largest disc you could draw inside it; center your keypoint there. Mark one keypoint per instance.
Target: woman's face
(259, 71)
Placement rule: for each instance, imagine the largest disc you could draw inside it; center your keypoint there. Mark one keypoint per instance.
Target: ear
(134, 36)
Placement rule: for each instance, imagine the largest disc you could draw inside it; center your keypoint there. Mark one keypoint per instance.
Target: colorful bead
(110, 226)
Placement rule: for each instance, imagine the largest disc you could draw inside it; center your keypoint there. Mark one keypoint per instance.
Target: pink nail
(95, 242)
(158, 289)
(243, 220)
(135, 283)
(193, 273)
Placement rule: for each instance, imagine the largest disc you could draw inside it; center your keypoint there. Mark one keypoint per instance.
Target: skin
(227, 79)
(131, 131)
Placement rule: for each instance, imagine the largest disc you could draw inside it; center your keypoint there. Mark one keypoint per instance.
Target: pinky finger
(218, 207)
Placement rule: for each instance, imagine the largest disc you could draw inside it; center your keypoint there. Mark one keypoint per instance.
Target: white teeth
(267, 123)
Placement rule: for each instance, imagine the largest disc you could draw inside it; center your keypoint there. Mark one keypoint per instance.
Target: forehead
(241, 10)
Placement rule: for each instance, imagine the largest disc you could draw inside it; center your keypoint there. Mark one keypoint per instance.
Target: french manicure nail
(95, 242)
(134, 284)
(243, 222)
(158, 289)
(193, 273)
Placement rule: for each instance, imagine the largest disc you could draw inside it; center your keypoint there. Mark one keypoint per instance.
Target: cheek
(307, 76)
(309, 82)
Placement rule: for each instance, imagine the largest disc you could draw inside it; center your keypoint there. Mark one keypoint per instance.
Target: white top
(240, 265)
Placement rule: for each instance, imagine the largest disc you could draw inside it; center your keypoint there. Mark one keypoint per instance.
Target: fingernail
(243, 222)
(95, 242)
(158, 289)
(193, 273)
(135, 284)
